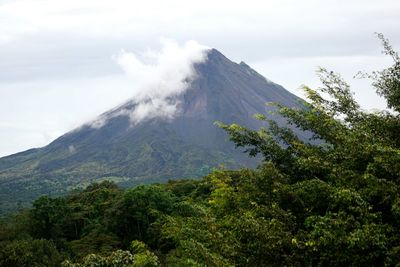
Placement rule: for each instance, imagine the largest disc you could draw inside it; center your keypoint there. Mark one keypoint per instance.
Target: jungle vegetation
(331, 201)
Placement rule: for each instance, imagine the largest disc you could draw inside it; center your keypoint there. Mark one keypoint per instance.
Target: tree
(48, 217)
(354, 155)
(29, 252)
(137, 210)
(137, 256)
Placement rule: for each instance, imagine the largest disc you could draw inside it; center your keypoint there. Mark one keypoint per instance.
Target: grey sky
(57, 57)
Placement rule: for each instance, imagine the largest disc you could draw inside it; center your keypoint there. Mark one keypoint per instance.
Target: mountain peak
(243, 64)
(185, 145)
(214, 55)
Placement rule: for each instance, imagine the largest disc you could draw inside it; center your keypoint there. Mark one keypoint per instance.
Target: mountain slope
(189, 145)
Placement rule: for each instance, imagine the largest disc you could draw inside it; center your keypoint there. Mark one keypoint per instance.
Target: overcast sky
(58, 64)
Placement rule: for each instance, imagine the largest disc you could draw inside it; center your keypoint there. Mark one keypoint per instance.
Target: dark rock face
(187, 146)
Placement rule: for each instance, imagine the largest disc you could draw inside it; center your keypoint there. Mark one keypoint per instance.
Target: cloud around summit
(157, 77)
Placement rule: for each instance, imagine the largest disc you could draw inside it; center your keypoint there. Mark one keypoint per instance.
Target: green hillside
(334, 203)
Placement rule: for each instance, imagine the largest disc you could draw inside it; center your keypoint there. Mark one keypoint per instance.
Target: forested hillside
(335, 202)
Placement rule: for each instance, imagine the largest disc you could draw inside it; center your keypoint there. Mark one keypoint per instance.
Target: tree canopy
(332, 200)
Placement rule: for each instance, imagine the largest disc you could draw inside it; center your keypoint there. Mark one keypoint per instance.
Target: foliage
(98, 224)
(21, 253)
(342, 187)
(141, 257)
(333, 200)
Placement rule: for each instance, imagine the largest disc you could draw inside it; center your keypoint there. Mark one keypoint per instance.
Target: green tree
(134, 214)
(29, 252)
(48, 217)
(137, 256)
(352, 164)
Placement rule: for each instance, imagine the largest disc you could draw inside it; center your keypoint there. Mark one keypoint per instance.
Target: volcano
(188, 145)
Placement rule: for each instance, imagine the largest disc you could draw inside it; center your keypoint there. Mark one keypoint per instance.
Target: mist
(150, 77)
(157, 77)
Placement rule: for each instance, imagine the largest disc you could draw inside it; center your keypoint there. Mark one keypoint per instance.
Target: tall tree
(354, 154)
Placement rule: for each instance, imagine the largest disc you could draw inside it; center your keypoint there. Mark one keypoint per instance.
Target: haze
(59, 64)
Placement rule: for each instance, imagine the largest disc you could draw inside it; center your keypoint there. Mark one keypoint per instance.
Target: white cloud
(157, 78)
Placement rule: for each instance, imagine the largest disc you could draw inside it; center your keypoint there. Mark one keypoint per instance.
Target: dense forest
(331, 201)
